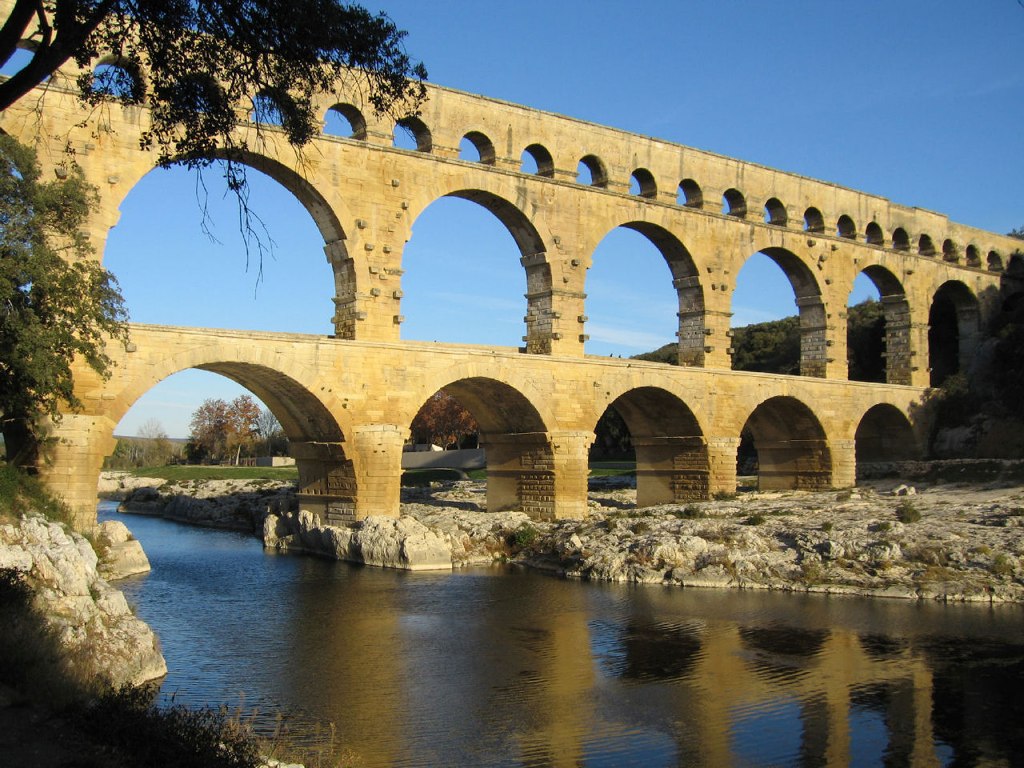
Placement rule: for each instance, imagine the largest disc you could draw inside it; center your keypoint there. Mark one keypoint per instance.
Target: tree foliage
(222, 430)
(56, 303)
(195, 63)
(443, 421)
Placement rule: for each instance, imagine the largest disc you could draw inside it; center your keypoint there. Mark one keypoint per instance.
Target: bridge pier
(520, 473)
(378, 461)
(793, 465)
(722, 464)
(571, 460)
(74, 451)
(327, 485)
(671, 469)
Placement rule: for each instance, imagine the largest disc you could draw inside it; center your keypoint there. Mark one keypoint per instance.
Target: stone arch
(873, 234)
(809, 303)
(734, 203)
(775, 212)
(686, 281)
(690, 194)
(885, 434)
(671, 450)
(542, 159)
(483, 145)
(520, 471)
(925, 246)
(592, 165)
(792, 450)
(972, 256)
(533, 257)
(355, 119)
(644, 182)
(950, 251)
(813, 220)
(953, 329)
(117, 76)
(845, 227)
(420, 133)
(995, 261)
(327, 478)
(899, 353)
(900, 239)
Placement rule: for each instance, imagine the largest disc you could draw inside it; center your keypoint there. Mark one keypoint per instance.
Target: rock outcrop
(91, 618)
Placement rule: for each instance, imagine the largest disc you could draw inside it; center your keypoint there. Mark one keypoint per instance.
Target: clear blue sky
(921, 102)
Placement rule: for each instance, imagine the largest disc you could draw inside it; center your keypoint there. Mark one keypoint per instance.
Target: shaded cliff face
(99, 637)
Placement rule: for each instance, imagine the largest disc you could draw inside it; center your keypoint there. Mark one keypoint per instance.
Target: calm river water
(503, 667)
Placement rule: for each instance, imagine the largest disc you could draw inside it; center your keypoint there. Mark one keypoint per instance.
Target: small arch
(197, 92)
(884, 346)
(900, 239)
(591, 172)
(813, 220)
(883, 435)
(845, 227)
(267, 109)
(346, 121)
(412, 133)
(873, 234)
(995, 261)
(118, 78)
(775, 212)
(479, 144)
(950, 251)
(542, 162)
(734, 203)
(925, 246)
(791, 448)
(671, 452)
(642, 184)
(690, 194)
(972, 256)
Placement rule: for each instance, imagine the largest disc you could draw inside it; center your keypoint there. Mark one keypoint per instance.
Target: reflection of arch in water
(792, 451)
(783, 652)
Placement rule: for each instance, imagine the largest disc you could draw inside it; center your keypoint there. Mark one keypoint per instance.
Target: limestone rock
(403, 543)
(121, 555)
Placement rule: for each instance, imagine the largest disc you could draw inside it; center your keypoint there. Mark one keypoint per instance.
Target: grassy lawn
(181, 472)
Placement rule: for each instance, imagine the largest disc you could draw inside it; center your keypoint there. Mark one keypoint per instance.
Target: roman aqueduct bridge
(558, 185)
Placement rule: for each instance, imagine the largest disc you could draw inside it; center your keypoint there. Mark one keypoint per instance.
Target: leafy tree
(202, 59)
(272, 439)
(56, 303)
(220, 429)
(611, 437)
(443, 421)
(772, 347)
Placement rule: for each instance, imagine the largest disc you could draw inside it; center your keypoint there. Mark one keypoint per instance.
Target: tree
(220, 429)
(155, 446)
(272, 439)
(443, 421)
(195, 63)
(56, 303)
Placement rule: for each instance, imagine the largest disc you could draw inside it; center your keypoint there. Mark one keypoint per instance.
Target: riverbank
(932, 541)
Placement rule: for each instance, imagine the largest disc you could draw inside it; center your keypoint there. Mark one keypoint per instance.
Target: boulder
(404, 543)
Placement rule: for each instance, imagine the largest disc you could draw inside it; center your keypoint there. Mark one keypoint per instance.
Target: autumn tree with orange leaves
(443, 421)
(221, 430)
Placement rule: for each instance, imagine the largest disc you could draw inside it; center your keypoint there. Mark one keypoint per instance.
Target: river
(506, 667)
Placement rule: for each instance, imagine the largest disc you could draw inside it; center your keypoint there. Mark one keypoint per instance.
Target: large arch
(533, 258)
(520, 470)
(954, 325)
(898, 349)
(792, 449)
(686, 283)
(811, 308)
(885, 434)
(671, 450)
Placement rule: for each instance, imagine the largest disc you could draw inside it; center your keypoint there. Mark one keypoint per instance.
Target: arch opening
(185, 267)
(591, 172)
(900, 239)
(734, 203)
(845, 227)
(925, 246)
(463, 275)
(663, 438)
(536, 160)
(631, 301)
(476, 147)
(690, 194)
(995, 261)
(884, 434)
(766, 336)
(642, 184)
(873, 234)
(950, 251)
(788, 445)
(953, 328)
(118, 78)
(775, 212)
(813, 220)
(412, 133)
(345, 121)
(878, 329)
(972, 256)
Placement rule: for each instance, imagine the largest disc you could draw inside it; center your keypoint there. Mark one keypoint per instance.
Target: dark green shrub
(906, 512)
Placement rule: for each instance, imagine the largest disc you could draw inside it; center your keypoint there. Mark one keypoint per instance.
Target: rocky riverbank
(938, 541)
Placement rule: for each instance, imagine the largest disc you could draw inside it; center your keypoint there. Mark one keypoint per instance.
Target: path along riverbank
(931, 541)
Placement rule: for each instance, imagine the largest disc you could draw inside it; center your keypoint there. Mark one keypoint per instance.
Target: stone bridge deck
(346, 407)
